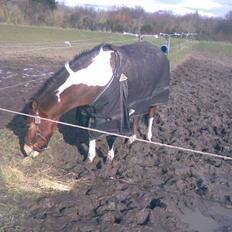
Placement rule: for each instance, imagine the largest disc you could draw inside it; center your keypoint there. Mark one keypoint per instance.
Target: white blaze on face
(98, 73)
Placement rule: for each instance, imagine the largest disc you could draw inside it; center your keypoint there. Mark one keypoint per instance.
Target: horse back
(148, 72)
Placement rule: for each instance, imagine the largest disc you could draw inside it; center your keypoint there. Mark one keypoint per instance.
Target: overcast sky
(209, 8)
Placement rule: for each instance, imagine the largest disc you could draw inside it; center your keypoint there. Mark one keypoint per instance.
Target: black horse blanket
(141, 79)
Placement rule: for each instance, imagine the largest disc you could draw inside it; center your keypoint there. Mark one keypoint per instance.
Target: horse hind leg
(151, 114)
(135, 128)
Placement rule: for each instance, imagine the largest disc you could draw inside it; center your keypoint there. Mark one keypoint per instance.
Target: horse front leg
(110, 141)
(151, 114)
(92, 150)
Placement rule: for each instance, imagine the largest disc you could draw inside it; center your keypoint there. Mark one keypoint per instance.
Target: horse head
(39, 131)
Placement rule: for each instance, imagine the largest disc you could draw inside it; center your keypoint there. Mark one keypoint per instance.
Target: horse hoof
(149, 136)
(89, 160)
(33, 154)
(109, 161)
(91, 157)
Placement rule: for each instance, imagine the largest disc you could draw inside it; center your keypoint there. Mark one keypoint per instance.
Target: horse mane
(76, 63)
(89, 54)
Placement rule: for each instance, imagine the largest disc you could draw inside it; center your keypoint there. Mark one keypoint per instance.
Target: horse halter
(38, 135)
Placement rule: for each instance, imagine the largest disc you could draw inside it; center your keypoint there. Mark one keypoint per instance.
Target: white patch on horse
(110, 155)
(131, 111)
(92, 150)
(149, 130)
(98, 73)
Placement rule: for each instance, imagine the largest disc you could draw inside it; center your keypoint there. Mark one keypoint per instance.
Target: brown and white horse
(86, 77)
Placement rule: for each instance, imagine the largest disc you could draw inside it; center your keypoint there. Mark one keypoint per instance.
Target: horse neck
(81, 95)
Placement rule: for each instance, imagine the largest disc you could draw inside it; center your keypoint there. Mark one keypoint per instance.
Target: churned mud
(146, 188)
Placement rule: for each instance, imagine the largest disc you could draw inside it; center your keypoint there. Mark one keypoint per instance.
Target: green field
(30, 34)
(50, 42)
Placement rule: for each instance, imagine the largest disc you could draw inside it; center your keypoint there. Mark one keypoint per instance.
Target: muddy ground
(146, 188)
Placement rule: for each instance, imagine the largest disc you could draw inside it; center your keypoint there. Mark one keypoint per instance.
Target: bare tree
(135, 20)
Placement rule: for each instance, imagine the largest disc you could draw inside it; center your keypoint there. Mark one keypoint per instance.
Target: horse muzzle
(30, 152)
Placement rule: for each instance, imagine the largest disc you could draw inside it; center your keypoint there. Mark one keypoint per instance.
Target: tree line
(133, 20)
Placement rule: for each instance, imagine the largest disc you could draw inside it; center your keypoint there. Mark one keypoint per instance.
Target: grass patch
(10, 147)
(215, 48)
(25, 180)
(180, 50)
(9, 215)
(28, 175)
(39, 182)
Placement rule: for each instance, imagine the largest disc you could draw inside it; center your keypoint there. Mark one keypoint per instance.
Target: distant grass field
(32, 34)
(216, 48)
(50, 42)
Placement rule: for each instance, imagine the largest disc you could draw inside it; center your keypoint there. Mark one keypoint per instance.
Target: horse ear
(34, 105)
